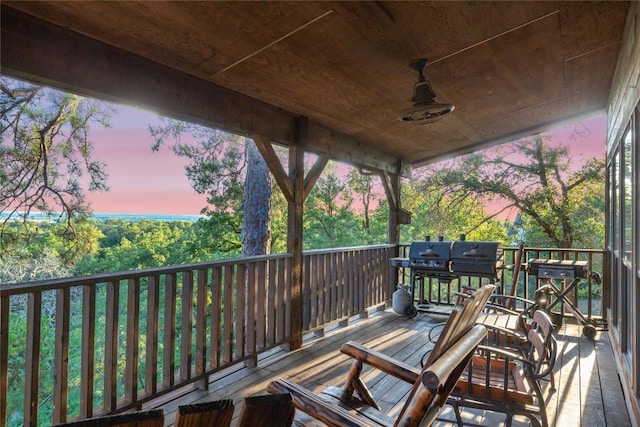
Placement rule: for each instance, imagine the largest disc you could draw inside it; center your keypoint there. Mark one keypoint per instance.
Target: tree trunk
(256, 225)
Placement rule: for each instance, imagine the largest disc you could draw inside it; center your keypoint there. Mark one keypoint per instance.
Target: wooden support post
(296, 188)
(294, 239)
(391, 184)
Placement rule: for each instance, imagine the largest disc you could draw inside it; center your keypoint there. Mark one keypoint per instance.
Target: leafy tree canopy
(530, 175)
(46, 158)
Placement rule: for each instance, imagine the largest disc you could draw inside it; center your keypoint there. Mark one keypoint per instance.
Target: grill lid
(430, 255)
(476, 257)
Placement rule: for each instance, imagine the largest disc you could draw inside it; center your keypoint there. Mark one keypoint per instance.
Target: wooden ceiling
(510, 68)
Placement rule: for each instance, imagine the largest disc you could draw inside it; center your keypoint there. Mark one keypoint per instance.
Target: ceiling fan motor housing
(425, 109)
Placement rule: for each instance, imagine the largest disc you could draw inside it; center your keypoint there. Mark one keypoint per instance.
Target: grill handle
(473, 253)
(428, 252)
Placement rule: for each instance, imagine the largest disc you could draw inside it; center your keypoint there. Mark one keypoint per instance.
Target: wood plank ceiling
(510, 68)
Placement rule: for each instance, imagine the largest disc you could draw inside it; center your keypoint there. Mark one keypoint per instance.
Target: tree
(554, 199)
(329, 221)
(235, 177)
(46, 158)
(363, 185)
(256, 229)
(438, 214)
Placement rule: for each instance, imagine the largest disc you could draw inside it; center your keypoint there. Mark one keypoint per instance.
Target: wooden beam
(47, 54)
(323, 140)
(392, 196)
(275, 166)
(313, 175)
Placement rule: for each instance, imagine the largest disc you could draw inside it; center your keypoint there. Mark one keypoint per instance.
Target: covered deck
(333, 81)
(588, 388)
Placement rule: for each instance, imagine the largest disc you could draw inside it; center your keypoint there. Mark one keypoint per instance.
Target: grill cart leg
(588, 330)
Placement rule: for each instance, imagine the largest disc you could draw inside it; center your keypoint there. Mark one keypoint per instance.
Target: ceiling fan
(425, 109)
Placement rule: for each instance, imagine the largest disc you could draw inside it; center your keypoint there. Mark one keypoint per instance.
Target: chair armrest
(500, 309)
(382, 362)
(504, 354)
(504, 333)
(330, 413)
(515, 299)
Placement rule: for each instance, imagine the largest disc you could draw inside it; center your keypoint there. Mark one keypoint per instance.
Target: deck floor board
(588, 391)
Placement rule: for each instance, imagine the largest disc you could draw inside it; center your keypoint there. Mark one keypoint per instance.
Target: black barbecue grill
(430, 256)
(476, 258)
(446, 261)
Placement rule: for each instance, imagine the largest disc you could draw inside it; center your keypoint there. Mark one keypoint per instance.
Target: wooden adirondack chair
(431, 385)
(506, 381)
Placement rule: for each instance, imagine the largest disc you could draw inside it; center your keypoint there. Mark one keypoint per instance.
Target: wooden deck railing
(84, 346)
(588, 294)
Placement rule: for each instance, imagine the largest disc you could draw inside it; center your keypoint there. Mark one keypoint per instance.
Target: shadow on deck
(588, 392)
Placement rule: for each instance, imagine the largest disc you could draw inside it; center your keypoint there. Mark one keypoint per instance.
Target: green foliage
(46, 159)
(146, 244)
(329, 221)
(533, 177)
(447, 215)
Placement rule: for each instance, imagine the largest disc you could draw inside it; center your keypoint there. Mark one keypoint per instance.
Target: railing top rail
(570, 250)
(68, 282)
(49, 284)
(348, 249)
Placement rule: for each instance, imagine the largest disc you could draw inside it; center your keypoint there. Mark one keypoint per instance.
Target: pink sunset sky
(146, 182)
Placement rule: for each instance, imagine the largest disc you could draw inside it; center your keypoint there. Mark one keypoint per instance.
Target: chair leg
(354, 382)
(456, 410)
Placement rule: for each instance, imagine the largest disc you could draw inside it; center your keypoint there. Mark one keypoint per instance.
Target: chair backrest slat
(462, 318)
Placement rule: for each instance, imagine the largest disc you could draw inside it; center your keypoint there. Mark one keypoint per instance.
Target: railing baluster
(87, 368)
(186, 327)
(228, 314)
(306, 293)
(288, 290)
(216, 316)
(4, 357)
(111, 330)
(133, 339)
(271, 303)
(240, 317)
(61, 360)
(281, 305)
(314, 312)
(153, 310)
(350, 283)
(32, 359)
(252, 323)
(169, 340)
(261, 303)
(323, 301)
(201, 325)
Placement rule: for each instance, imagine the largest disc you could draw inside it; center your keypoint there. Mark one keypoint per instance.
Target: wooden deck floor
(588, 388)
